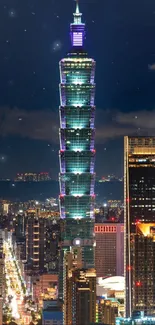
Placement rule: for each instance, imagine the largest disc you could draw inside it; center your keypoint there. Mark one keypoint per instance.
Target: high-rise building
(52, 244)
(80, 294)
(109, 249)
(19, 226)
(35, 242)
(71, 262)
(77, 178)
(143, 247)
(139, 208)
(77, 153)
(107, 310)
(42, 242)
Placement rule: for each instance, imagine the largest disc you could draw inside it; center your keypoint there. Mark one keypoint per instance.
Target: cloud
(44, 124)
(141, 119)
(151, 67)
(110, 132)
(40, 125)
(118, 124)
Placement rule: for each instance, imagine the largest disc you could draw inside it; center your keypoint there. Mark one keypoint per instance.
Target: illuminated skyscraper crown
(77, 29)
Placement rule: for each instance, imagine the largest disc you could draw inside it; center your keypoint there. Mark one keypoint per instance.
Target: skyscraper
(139, 193)
(35, 242)
(143, 247)
(109, 249)
(77, 153)
(80, 292)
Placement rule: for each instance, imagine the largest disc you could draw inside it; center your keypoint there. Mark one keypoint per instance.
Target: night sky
(34, 36)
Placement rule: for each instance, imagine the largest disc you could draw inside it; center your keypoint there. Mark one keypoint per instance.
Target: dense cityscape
(78, 248)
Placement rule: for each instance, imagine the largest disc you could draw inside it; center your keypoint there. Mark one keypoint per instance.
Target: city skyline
(28, 106)
(81, 256)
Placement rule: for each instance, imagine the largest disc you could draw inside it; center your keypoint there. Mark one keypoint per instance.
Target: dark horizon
(24, 191)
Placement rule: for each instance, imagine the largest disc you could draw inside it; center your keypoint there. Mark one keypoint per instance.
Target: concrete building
(109, 249)
(45, 287)
(35, 242)
(52, 313)
(109, 310)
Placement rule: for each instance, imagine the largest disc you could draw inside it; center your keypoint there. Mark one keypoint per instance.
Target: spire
(77, 28)
(77, 7)
(77, 14)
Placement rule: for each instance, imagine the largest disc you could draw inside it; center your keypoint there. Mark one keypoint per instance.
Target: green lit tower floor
(77, 153)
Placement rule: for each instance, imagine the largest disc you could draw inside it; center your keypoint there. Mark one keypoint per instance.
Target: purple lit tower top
(77, 29)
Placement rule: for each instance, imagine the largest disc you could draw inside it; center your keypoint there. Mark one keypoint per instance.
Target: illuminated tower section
(77, 153)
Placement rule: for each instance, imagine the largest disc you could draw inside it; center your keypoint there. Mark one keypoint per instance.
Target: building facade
(81, 295)
(35, 243)
(52, 245)
(143, 247)
(77, 153)
(109, 249)
(139, 208)
(52, 313)
(45, 287)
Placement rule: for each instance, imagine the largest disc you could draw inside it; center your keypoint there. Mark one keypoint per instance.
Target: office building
(107, 310)
(77, 281)
(45, 287)
(19, 227)
(35, 242)
(52, 313)
(109, 249)
(81, 288)
(79, 295)
(143, 248)
(52, 245)
(77, 153)
(139, 207)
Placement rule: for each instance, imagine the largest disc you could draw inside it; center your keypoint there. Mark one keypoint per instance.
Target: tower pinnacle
(77, 28)
(77, 7)
(77, 14)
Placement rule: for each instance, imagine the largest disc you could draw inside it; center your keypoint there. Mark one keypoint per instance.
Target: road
(15, 292)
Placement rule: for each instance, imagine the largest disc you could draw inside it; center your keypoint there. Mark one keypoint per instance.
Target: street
(15, 287)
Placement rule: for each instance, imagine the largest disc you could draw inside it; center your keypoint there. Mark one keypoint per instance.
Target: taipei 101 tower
(77, 153)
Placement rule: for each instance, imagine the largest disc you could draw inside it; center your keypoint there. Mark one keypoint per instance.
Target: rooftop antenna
(77, 14)
(77, 7)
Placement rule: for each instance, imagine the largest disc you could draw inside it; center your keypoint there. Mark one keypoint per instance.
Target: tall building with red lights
(77, 153)
(139, 212)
